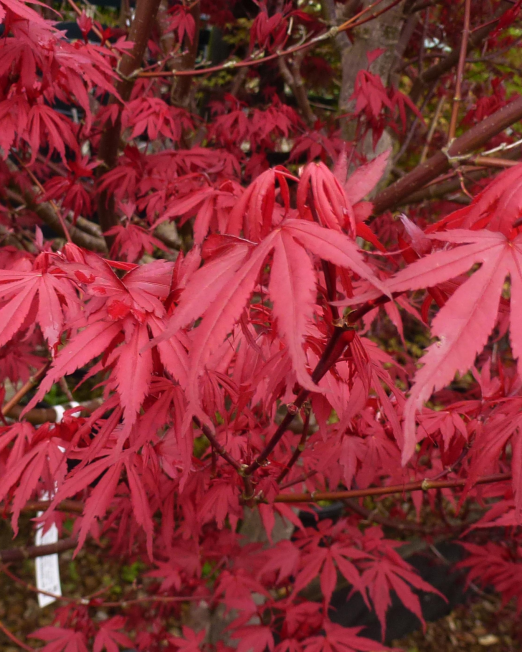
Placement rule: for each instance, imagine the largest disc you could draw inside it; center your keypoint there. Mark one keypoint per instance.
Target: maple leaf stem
(424, 485)
(29, 385)
(217, 446)
(457, 99)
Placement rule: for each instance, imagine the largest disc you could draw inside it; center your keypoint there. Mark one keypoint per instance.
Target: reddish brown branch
(49, 415)
(29, 385)
(333, 350)
(31, 552)
(13, 638)
(435, 72)
(220, 450)
(424, 485)
(473, 139)
(298, 450)
(331, 33)
(457, 99)
(47, 214)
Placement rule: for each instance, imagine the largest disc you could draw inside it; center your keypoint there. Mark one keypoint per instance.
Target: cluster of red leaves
(200, 358)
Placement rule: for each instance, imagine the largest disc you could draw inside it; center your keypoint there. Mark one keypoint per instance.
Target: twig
(55, 208)
(299, 448)
(13, 638)
(31, 552)
(433, 126)
(37, 416)
(439, 69)
(403, 526)
(457, 99)
(335, 346)
(47, 214)
(29, 385)
(331, 33)
(220, 450)
(34, 589)
(295, 82)
(470, 141)
(424, 485)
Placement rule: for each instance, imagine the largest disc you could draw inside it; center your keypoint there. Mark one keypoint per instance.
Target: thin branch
(13, 638)
(31, 552)
(220, 450)
(435, 72)
(470, 141)
(37, 416)
(29, 385)
(335, 346)
(493, 162)
(457, 99)
(431, 130)
(47, 214)
(34, 589)
(402, 526)
(298, 450)
(295, 81)
(424, 485)
(331, 33)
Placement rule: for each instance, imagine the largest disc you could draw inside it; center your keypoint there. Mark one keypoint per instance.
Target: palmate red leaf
(221, 289)
(334, 210)
(61, 640)
(27, 472)
(254, 638)
(221, 315)
(99, 500)
(20, 288)
(44, 124)
(341, 639)
(383, 577)
(109, 637)
(133, 370)
(191, 640)
(334, 247)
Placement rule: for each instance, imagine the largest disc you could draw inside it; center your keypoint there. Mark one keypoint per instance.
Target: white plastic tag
(47, 567)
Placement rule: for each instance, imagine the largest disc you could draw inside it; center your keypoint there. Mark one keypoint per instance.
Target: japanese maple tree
(258, 258)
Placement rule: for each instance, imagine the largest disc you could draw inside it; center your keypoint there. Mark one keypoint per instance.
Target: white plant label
(47, 567)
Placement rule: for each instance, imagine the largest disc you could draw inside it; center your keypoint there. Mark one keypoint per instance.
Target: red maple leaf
(61, 640)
